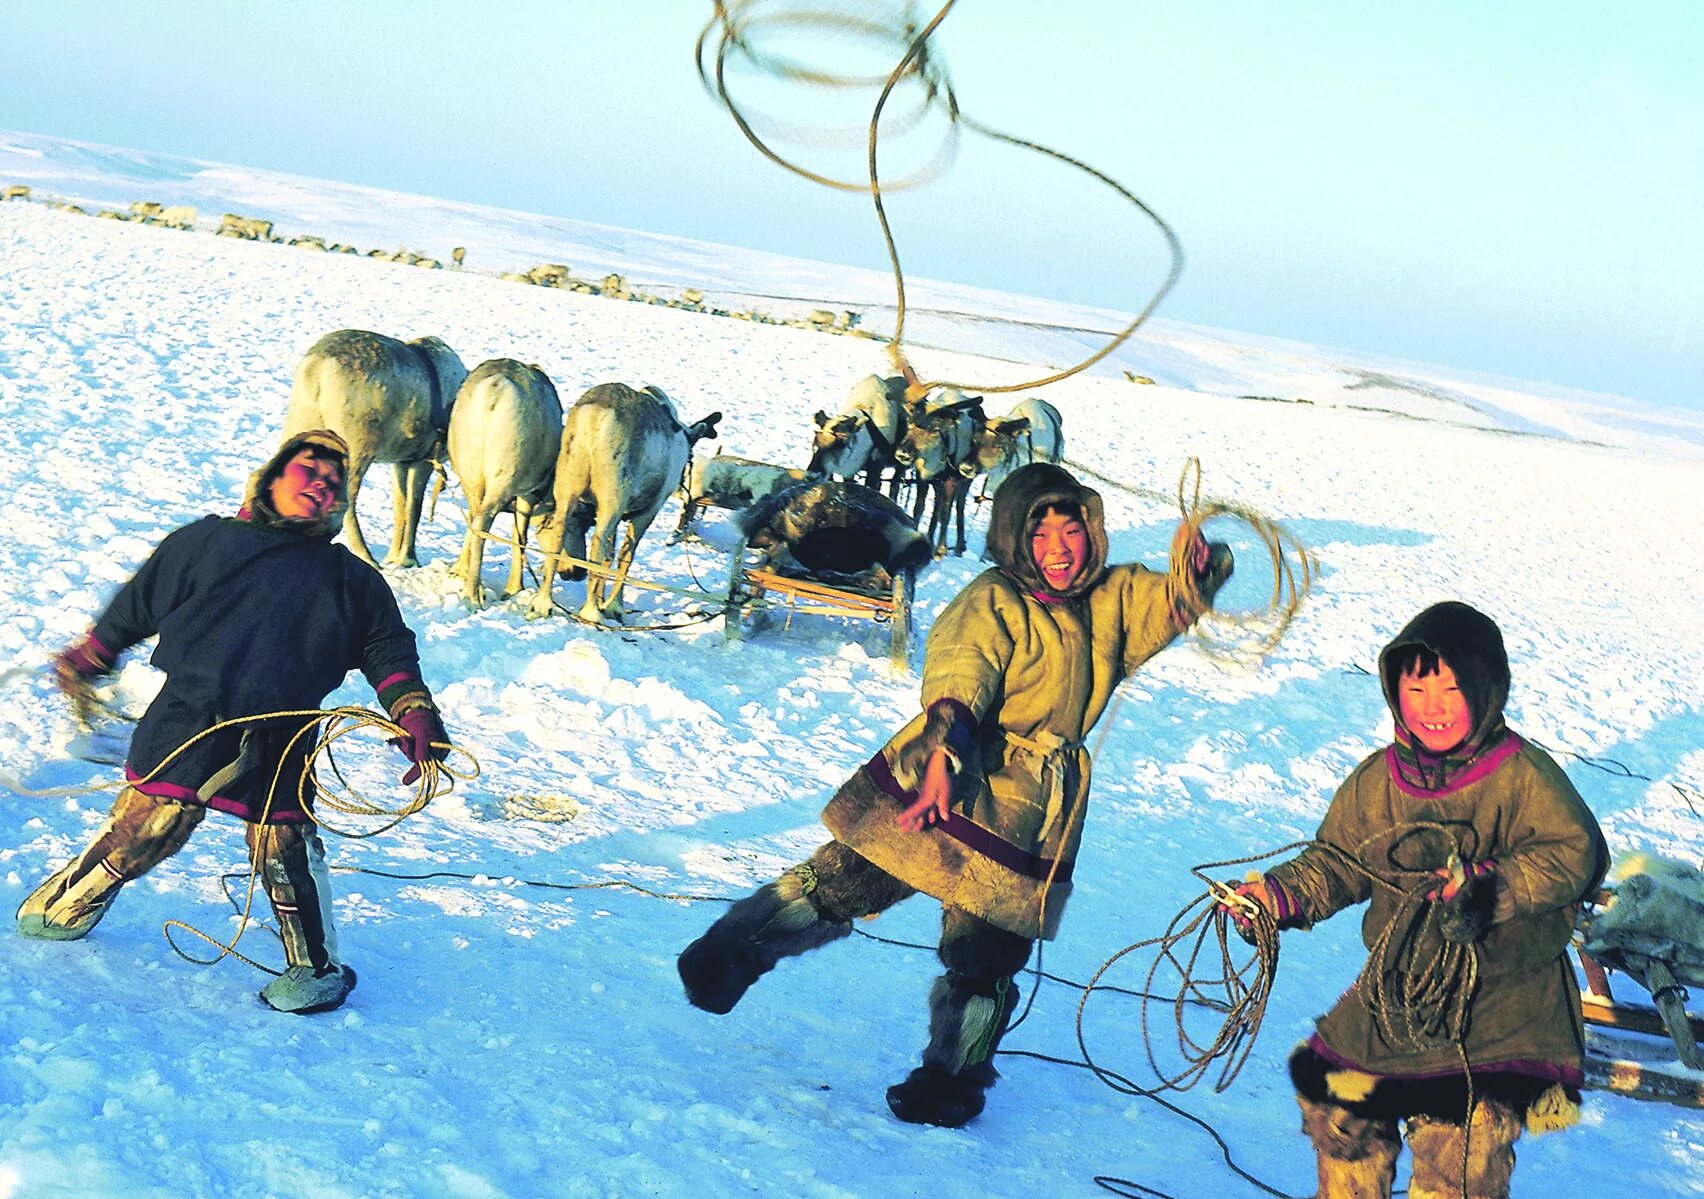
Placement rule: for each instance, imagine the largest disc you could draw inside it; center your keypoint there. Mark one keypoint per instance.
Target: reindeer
(390, 401)
(622, 454)
(939, 444)
(505, 433)
(724, 481)
(862, 436)
(1031, 432)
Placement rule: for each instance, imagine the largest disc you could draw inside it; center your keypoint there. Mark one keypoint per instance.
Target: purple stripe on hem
(1530, 1067)
(401, 676)
(102, 650)
(972, 835)
(160, 789)
(1487, 762)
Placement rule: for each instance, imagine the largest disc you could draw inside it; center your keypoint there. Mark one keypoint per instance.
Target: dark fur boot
(779, 920)
(965, 1027)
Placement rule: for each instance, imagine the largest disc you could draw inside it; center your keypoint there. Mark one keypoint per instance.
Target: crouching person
(979, 800)
(256, 613)
(1460, 834)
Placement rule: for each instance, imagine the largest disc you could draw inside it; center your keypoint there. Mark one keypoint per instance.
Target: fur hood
(1469, 641)
(257, 499)
(1018, 505)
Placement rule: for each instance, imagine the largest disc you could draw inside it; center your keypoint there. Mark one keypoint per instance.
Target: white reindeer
(1032, 431)
(623, 452)
(390, 401)
(862, 436)
(724, 481)
(939, 446)
(505, 434)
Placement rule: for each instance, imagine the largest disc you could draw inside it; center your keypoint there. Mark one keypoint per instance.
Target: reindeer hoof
(534, 612)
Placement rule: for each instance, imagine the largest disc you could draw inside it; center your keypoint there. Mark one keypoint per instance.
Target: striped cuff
(403, 693)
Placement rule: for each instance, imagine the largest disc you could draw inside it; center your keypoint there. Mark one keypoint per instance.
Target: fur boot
(965, 1027)
(139, 834)
(779, 920)
(291, 860)
(1356, 1155)
(1437, 1146)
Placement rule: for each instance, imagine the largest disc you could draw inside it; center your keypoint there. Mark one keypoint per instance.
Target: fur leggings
(144, 830)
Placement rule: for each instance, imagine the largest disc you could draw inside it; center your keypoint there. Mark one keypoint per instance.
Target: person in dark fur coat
(255, 613)
(1460, 834)
(979, 801)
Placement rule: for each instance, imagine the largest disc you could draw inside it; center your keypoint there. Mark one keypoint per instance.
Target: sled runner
(756, 589)
(1647, 926)
(825, 548)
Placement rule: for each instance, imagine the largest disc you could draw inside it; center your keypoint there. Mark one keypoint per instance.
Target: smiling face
(308, 488)
(1433, 707)
(1060, 547)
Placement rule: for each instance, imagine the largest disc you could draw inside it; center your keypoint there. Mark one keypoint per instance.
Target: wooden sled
(1616, 1061)
(755, 589)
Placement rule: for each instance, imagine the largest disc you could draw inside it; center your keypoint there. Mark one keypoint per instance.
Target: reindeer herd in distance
(550, 274)
(617, 453)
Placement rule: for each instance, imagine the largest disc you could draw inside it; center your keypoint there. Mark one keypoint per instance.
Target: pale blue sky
(1511, 188)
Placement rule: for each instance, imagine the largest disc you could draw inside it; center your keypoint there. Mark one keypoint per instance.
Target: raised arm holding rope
(255, 614)
(1473, 850)
(979, 800)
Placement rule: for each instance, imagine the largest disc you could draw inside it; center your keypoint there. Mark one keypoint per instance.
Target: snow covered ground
(511, 1037)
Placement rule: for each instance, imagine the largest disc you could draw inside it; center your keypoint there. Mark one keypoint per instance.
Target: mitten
(1209, 564)
(423, 739)
(75, 669)
(1466, 899)
(410, 704)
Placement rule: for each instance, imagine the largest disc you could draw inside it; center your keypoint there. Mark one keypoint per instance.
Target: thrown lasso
(738, 26)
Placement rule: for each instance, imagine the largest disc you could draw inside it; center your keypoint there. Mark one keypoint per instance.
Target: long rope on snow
(739, 29)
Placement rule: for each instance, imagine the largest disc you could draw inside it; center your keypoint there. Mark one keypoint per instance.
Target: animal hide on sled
(1657, 912)
(835, 532)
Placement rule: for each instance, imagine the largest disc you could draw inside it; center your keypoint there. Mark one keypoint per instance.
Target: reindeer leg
(473, 553)
(601, 553)
(961, 492)
(351, 524)
(411, 480)
(550, 541)
(614, 610)
(518, 553)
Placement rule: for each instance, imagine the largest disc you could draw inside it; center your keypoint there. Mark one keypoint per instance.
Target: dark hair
(1416, 660)
(1059, 507)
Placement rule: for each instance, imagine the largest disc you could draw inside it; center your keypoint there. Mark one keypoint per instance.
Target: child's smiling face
(1060, 547)
(1433, 708)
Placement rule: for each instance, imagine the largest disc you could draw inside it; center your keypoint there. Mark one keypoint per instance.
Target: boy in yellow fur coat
(979, 800)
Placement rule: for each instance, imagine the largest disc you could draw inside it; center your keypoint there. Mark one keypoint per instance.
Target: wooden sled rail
(611, 572)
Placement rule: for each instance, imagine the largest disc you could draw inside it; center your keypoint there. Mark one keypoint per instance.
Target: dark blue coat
(251, 619)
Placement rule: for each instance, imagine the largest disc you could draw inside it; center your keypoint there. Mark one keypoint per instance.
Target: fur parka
(1032, 671)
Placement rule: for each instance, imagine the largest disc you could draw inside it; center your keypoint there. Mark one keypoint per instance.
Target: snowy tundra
(512, 1037)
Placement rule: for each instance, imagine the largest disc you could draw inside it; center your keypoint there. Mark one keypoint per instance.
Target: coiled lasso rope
(436, 779)
(1417, 999)
(740, 29)
(1240, 638)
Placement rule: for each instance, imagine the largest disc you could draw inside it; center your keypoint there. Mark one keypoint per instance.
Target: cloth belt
(1055, 756)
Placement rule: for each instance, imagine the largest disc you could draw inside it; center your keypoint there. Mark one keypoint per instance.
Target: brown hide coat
(1511, 803)
(1036, 676)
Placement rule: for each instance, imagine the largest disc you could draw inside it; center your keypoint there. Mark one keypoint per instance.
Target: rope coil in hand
(1240, 638)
